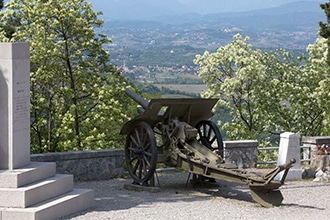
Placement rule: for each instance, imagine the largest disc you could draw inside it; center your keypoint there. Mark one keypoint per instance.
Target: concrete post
(14, 105)
(290, 148)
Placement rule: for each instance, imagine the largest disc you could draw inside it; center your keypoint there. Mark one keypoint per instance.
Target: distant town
(159, 51)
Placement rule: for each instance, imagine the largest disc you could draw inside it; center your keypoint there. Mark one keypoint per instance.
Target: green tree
(325, 28)
(76, 95)
(265, 92)
(234, 74)
(9, 27)
(321, 52)
(317, 64)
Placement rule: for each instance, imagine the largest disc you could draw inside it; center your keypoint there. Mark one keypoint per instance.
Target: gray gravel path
(302, 200)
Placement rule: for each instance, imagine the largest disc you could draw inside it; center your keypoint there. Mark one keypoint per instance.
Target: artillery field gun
(177, 132)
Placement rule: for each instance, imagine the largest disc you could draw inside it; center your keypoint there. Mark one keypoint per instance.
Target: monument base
(37, 192)
(19, 177)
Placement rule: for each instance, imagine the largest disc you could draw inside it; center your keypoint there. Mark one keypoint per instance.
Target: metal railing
(305, 156)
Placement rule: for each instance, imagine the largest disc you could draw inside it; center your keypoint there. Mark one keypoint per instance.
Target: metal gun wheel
(141, 153)
(209, 135)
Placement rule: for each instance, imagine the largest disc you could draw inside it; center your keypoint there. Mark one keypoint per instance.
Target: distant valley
(168, 44)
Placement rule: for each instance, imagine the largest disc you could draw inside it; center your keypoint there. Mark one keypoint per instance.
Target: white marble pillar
(14, 105)
(290, 148)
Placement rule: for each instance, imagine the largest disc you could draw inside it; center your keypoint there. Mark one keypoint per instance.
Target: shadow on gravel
(172, 189)
(228, 190)
(118, 198)
(301, 206)
(112, 196)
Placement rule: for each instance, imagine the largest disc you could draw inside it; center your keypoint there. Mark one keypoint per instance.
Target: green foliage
(234, 74)
(267, 92)
(77, 98)
(325, 28)
(321, 52)
(8, 28)
(318, 66)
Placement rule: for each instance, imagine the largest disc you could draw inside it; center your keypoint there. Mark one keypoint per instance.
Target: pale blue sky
(135, 9)
(143, 8)
(203, 6)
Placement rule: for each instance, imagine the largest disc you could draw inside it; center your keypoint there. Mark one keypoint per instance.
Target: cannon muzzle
(140, 100)
(287, 165)
(270, 176)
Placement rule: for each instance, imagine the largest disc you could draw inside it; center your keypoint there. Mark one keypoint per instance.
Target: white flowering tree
(76, 95)
(321, 55)
(234, 74)
(266, 92)
(325, 28)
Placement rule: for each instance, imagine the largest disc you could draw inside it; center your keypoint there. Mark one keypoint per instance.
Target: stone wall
(109, 163)
(318, 160)
(87, 165)
(243, 153)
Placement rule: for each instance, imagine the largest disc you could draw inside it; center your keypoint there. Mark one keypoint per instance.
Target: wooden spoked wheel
(141, 153)
(209, 135)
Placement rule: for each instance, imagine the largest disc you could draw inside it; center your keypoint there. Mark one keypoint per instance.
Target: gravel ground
(302, 200)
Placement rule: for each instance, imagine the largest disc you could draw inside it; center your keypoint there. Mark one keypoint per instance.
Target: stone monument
(28, 190)
(14, 106)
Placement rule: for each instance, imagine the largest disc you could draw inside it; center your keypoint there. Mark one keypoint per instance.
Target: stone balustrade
(109, 163)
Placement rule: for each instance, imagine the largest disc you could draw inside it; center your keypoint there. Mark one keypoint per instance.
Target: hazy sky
(235, 5)
(144, 8)
(133, 9)
(206, 6)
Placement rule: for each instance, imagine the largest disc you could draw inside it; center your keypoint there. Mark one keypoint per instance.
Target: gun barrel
(140, 100)
(288, 165)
